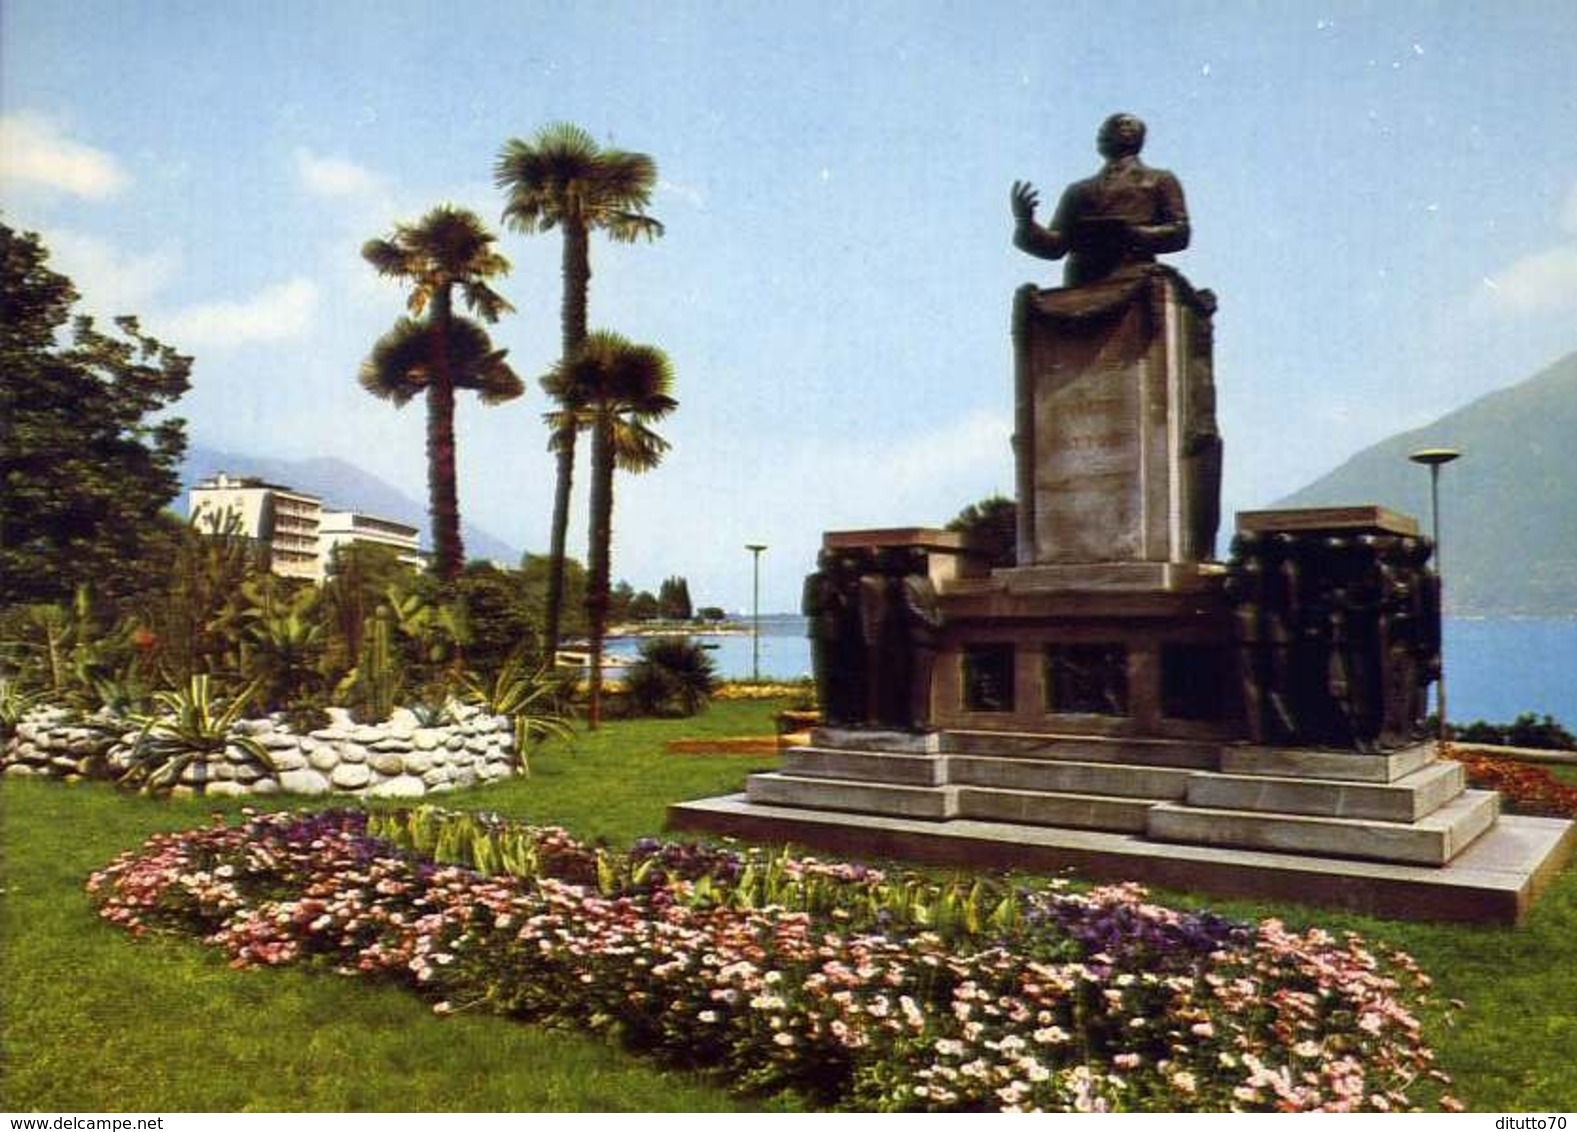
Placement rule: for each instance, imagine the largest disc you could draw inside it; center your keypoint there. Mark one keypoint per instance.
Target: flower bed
(1526, 789)
(1053, 1000)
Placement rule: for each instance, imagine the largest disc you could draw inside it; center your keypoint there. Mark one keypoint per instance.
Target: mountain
(341, 485)
(1508, 508)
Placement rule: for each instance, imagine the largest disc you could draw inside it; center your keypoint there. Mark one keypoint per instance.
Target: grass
(171, 1028)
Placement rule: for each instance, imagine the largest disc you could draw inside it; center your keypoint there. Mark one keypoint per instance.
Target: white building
(299, 533)
(283, 519)
(343, 528)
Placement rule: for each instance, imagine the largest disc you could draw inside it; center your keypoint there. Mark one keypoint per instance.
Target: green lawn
(96, 1021)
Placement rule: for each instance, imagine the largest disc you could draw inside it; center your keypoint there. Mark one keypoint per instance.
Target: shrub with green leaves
(674, 676)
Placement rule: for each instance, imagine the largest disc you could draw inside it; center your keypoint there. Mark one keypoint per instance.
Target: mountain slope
(340, 484)
(1508, 507)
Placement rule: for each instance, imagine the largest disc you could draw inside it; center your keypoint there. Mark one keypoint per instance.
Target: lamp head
(1434, 457)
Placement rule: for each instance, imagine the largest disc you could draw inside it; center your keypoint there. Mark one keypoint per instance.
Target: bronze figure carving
(1125, 215)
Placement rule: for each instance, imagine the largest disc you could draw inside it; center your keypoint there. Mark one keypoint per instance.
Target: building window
(1087, 679)
(988, 677)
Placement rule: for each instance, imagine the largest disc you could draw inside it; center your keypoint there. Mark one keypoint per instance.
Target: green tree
(673, 600)
(627, 389)
(563, 179)
(502, 627)
(447, 249)
(643, 607)
(87, 461)
(990, 529)
(536, 572)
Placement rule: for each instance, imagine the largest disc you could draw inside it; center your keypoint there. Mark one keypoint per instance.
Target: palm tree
(448, 248)
(625, 388)
(563, 179)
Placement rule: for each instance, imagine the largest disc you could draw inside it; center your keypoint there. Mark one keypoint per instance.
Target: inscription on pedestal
(1107, 414)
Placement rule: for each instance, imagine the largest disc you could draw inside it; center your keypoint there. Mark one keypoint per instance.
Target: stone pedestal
(1118, 455)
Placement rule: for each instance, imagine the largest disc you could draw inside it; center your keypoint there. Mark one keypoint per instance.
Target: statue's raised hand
(1025, 198)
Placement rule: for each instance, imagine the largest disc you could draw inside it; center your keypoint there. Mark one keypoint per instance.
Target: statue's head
(1122, 135)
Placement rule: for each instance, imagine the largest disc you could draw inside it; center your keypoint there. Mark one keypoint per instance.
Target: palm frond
(636, 448)
(562, 176)
(399, 366)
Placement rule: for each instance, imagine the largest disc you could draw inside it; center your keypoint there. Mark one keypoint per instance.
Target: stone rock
(464, 777)
(367, 734)
(478, 745)
(399, 746)
(324, 758)
(308, 782)
(455, 742)
(226, 790)
(386, 762)
(221, 772)
(181, 791)
(352, 752)
(291, 759)
(279, 741)
(350, 776)
(18, 770)
(265, 786)
(418, 762)
(427, 738)
(438, 776)
(251, 772)
(404, 786)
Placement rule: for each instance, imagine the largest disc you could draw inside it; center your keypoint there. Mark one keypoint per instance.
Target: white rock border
(399, 758)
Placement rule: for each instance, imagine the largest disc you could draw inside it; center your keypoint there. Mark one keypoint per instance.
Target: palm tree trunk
(598, 585)
(442, 477)
(564, 443)
(576, 271)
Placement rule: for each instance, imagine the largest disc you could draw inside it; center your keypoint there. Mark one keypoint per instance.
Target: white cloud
(1536, 284)
(334, 176)
(691, 196)
(284, 311)
(35, 152)
(1569, 211)
(111, 282)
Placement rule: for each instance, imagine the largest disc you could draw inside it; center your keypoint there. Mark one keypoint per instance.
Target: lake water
(1495, 669)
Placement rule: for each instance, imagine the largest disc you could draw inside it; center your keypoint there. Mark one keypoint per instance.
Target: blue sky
(1384, 198)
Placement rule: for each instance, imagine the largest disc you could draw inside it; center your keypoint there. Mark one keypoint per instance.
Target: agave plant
(188, 726)
(532, 698)
(15, 702)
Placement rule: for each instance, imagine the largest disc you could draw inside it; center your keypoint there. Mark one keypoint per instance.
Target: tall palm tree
(563, 179)
(448, 248)
(625, 388)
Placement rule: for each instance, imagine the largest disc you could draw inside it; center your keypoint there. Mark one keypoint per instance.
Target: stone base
(1495, 881)
(1403, 810)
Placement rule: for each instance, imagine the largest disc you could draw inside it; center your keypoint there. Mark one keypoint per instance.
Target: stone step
(1408, 799)
(865, 766)
(1086, 748)
(876, 739)
(929, 803)
(1038, 807)
(1433, 840)
(1345, 766)
(1068, 777)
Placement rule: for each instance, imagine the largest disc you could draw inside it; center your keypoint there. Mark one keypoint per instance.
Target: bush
(673, 677)
(1527, 730)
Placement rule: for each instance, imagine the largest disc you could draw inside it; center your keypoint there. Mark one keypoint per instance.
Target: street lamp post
(755, 549)
(1433, 459)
